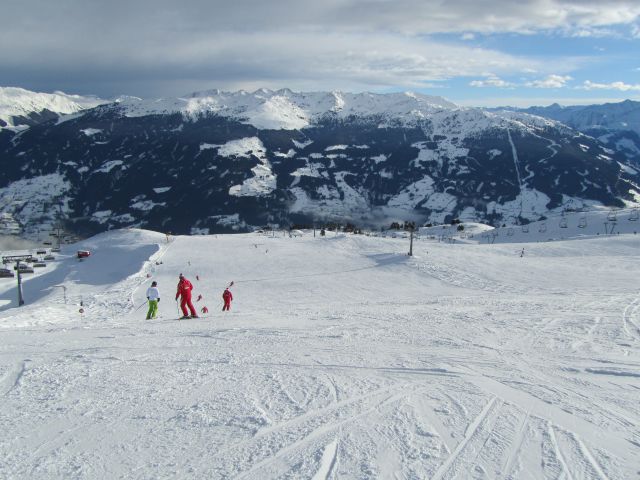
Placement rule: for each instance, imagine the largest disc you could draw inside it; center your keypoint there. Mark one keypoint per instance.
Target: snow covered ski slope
(341, 357)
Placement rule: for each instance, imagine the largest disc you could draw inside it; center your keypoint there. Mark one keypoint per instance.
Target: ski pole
(139, 306)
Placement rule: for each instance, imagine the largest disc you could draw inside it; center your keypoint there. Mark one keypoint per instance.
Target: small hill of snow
(18, 102)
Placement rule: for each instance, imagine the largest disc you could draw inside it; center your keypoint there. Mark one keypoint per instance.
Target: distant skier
(184, 292)
(153, 295)
(522, 253)
(227, 297)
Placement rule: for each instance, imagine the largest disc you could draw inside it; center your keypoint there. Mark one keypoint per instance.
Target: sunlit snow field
(342, 357)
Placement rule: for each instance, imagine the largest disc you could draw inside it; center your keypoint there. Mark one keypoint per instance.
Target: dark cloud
(165, 47)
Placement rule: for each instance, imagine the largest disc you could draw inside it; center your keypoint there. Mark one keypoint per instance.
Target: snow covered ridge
(609, 116)
(617, 125)
(20, 103)
(288, 110)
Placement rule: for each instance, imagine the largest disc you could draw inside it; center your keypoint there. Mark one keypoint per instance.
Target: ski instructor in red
(184, 291)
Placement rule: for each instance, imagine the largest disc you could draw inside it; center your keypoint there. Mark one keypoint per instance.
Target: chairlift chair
(6, 273)
(635, 215)
(510, 232)
(583, 222)
(563, 223)
(525, 228)
(542, 228)
(612, 216)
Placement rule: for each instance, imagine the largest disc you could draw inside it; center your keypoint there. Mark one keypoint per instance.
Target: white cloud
(169, 21)
(620, 86)
(468, 36)
(492, 81)
(582, 17)
(552, 81)
(298, 60)
(592, 32)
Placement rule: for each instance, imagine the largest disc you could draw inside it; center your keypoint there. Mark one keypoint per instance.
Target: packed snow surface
(342, 357)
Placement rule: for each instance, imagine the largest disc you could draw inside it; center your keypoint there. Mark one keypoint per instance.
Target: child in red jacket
(227, 297)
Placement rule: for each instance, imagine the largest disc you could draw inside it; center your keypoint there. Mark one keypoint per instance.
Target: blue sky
(473, 52)
(584, 69)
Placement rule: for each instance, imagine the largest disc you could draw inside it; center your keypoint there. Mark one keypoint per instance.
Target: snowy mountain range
(617, 125)
(287, 110)
(217, 161)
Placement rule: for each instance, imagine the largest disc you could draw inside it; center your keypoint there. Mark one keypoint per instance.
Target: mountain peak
(17, 105)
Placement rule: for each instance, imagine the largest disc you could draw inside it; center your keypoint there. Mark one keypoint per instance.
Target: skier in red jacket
(184, 291)
(227, 297)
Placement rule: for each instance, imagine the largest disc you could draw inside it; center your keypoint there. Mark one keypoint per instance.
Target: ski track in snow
(327, 462)
(341, 358)
(475, 428)
(628, 324)
(559, 455)
(11, 379)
